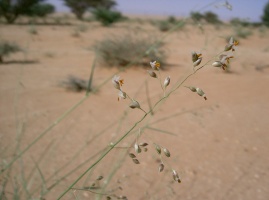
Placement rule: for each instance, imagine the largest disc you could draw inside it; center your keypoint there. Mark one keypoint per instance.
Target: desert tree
(79, 7)
(211, 17)
(12, 9)
(265, 17)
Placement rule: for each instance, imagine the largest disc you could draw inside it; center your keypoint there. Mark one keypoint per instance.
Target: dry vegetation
(219, 147)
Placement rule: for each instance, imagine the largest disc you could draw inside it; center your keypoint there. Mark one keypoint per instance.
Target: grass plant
(115, 50)
(123, 51)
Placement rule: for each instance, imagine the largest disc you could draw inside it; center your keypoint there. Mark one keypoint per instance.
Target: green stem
(45, 132)
(101, 158)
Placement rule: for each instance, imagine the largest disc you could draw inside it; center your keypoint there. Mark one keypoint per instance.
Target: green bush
(125, 49)
(211, 18)
(11, 10)
(107, 17)
(7, 48)
(79, 7)
(196, 16)
(41, 10)
(265, 17)
(172, 20)
(163, 25)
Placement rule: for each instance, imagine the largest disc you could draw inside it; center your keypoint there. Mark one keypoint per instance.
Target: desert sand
(219, 147)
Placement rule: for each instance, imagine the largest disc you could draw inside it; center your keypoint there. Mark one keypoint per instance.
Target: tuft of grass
(32, 30)
(75, 84)
(107, 17)
(124, 50)
(81, 28)
(7, 48)
(163, 25)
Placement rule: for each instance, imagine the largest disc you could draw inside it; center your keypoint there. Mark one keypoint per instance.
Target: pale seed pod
(99, 178)
(228, 47)
(143, 144)
(122, 197)
(193, 89)
(121, 95)
(194, 56)
(166, 81)
(217, 64)
(136, 161)
(134, 104)
(201, 93)
(161, 167)
(152, 74)
(166, 152)
(158, 148)
(132, 155)
(197, 62)
(175, 176)
(137, 148)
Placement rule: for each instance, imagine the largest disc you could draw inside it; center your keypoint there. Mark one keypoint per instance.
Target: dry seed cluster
(223, 61)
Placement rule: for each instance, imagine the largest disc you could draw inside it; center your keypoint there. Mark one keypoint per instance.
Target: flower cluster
(156, 67)
(196, 58)
(224, 59)
(199, 91)
(117, 82)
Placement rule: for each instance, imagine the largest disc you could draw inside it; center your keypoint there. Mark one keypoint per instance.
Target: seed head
(197, 62)
(195, 56)
(137, 148)
(166, 81)
(100, 178)
(132, 155)
(217, 64)
(152, 74)
(155, 65)
(143, 144)
(158, 148)
(193, 89)
(121, 95)
(175, 176)
(117, 82)
(136, 161)
(201, 93)
(230, 46)
(161, 167)
(166, 152)
(134, 104)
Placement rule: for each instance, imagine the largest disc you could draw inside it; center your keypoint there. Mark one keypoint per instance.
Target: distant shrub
(239, 22)
(75, 84)
(211, 18)
(7, 48)
(107, 17)
(172, 20)
(41, 10)
(125, 49)
(32, 30)
(265, 17)
(242, 32)
(79, 7)
(163, 25)
(81, 28)
(196, 16)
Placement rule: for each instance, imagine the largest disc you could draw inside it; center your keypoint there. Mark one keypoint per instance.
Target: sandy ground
(220, 147)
